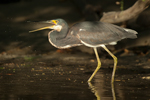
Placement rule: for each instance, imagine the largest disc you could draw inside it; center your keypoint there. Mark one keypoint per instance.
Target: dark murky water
(22, 79)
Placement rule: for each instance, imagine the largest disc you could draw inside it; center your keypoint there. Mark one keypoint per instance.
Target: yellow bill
(54, 22)
(48, 27)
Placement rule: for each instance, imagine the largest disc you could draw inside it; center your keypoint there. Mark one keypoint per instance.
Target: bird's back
(97, 33)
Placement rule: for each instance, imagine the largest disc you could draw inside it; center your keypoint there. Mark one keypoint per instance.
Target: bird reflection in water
(94, 89)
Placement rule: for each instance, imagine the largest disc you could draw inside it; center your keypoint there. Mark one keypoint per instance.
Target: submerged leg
(98, 65)
(115, 63)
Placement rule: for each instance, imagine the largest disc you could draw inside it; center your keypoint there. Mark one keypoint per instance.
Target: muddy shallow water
(65, 78)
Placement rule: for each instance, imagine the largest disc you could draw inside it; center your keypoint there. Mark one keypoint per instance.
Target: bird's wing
(97, 33)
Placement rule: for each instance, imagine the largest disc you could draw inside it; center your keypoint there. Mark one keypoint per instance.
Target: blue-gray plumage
(91, 34)
(97, 33)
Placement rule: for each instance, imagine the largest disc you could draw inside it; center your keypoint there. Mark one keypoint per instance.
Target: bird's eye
(55, 22)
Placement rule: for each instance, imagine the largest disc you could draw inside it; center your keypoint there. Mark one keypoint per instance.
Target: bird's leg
(98, 65)
(115, 63)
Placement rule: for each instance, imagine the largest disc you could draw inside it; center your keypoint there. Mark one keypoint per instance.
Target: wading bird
(91, 34)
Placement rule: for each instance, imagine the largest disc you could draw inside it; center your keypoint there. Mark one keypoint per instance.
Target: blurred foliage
(122, 5)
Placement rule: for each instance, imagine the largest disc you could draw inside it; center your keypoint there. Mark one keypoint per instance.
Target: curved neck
(55, 37)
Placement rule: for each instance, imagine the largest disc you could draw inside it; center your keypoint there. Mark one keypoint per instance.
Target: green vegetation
(122, 5)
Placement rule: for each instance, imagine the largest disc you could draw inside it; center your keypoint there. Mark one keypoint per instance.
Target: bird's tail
(132, 33)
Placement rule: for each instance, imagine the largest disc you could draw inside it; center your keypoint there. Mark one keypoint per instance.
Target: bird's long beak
(48, 27)
(53, 22)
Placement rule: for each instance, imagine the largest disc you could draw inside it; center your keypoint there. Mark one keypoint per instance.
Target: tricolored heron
(91, 34)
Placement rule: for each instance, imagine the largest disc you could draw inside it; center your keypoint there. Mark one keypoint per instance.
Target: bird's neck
(55, 37)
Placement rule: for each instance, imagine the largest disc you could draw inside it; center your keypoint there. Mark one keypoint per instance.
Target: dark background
(17, 16)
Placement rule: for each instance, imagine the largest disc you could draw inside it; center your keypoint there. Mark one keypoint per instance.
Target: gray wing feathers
(96, 33)
(131, 32)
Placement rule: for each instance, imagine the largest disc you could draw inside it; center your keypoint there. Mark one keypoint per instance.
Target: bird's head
(56, 24)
